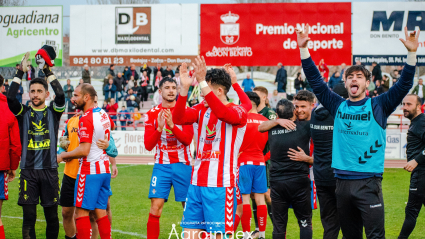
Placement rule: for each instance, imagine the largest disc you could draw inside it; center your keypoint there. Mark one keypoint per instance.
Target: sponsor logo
(353, 132)
(74, 130)
(413, 189)
(395, 19)
(210, 133)
(133, 25)
(361, 117)
(169, 133)
(283, 131)
(154, 191)
(83, 134)
(377, 205)
(321, 127)
(38, 145)
(103, 118)
(81, 124)
(38, 127)
(304, 223)
(106, 125)
(209, 155)
(229, 30)
(348, 126)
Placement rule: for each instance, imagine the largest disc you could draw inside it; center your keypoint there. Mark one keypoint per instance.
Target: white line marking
(114, 230)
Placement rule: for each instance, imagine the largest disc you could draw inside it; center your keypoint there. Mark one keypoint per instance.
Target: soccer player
(71, 170)
(92, 188)
(289, 179)
(252, 169)
(358, 167)
(10, 151)
(172, 157)
(415, 162)
(39, 126)
(262, 109)
(210, 203)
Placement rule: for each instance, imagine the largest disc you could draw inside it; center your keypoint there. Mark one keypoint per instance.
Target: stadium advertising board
(377, 27)
(134, 34)
(28, 29)
(264, 34)
(130, 143)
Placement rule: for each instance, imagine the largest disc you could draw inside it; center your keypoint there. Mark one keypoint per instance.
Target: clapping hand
(200, 68)
(229, 69)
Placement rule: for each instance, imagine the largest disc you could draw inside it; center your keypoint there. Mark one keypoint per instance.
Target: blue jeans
(123, 124)
(120, 97)
(280, 87)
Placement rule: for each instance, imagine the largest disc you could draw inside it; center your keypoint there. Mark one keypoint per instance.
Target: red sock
(235, 226)
(104, 227)
(2, 236)
(246, 218)
(84, 227)
(262, 217)
(153, 227)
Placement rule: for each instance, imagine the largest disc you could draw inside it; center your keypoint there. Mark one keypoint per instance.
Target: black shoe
(255, 234)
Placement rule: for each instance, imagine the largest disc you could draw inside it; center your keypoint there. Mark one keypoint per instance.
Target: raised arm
(329, 99)
(181, 114)
(59, 102)
(393, 97)
(12, 102)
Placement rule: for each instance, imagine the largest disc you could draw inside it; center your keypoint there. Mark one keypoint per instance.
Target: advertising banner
(133, 34)
(377, 27)
(131, 143)
(28, 29)
(260, 34)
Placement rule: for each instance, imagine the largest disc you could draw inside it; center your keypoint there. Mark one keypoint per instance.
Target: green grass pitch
(130, 208)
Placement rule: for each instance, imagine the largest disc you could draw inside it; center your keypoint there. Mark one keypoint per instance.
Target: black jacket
(166, 73)
(321, 127)
(148, 69)
(281, 75)
(416, 141)
(298, 84)
(119, 83)
(377, 72)
(155, 71)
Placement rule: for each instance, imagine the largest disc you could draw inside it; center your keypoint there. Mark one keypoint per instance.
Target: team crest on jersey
(81, 124)
(169, 133)
(210, 133)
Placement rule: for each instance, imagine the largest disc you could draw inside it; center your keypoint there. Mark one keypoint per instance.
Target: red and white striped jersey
(172, 145)
(221, 129)
(94, 125)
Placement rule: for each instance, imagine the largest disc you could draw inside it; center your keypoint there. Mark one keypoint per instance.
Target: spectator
(110, 90)
(125, 70)
(81, 81)
(158, 78)
(177, 76)
(123, 116)
(111, 71)
(132, 100)
(144, 86)
(157, 69)
(105, 104)
(132, 72)
(136, 118)
(378, 89)
(281, 78)
(106, 81)
(20, 93)
(396, 75)
(130, 83)
(86, 74)
(6, 86)
(358, 63)
(119, 82)
(248, 83)
(274, 99)
(323, 68)
(298, 83)
(385, 83)
(335, 79)
(17, 67)
(419, 90)
(168, 72)
(68, 89)
(343, 68)
(137, 89)
(30, 72)
(376, 72)
(112, 109)
(148, 70)
(400, 69)
(341, 90)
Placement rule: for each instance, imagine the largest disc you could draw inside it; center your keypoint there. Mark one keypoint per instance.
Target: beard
(410, 114)
(40, 102)
(169, 98)
(80, 106)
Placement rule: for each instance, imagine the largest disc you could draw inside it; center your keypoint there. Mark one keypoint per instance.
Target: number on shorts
(153, 181)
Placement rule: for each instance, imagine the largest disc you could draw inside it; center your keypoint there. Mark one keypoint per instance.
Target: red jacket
(10, 141)
(112, 110)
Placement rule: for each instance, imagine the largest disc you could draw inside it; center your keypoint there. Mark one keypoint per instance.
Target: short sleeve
(86, 129)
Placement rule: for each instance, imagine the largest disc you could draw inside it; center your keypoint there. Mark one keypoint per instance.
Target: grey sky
(67, 3)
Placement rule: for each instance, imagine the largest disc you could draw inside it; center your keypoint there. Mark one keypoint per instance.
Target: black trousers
(295, 193)
(415, 202)
(360, 203)
(328, 211)
(144, 93)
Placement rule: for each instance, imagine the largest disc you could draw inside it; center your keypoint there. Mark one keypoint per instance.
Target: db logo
(229, 30)
(133, 25)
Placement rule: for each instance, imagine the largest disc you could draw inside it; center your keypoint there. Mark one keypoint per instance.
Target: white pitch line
(114, 230)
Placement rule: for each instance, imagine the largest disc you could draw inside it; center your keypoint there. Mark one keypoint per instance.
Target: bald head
(88, 89)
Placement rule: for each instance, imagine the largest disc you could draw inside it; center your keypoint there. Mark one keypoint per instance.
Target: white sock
(246, 235)
(262, 234)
